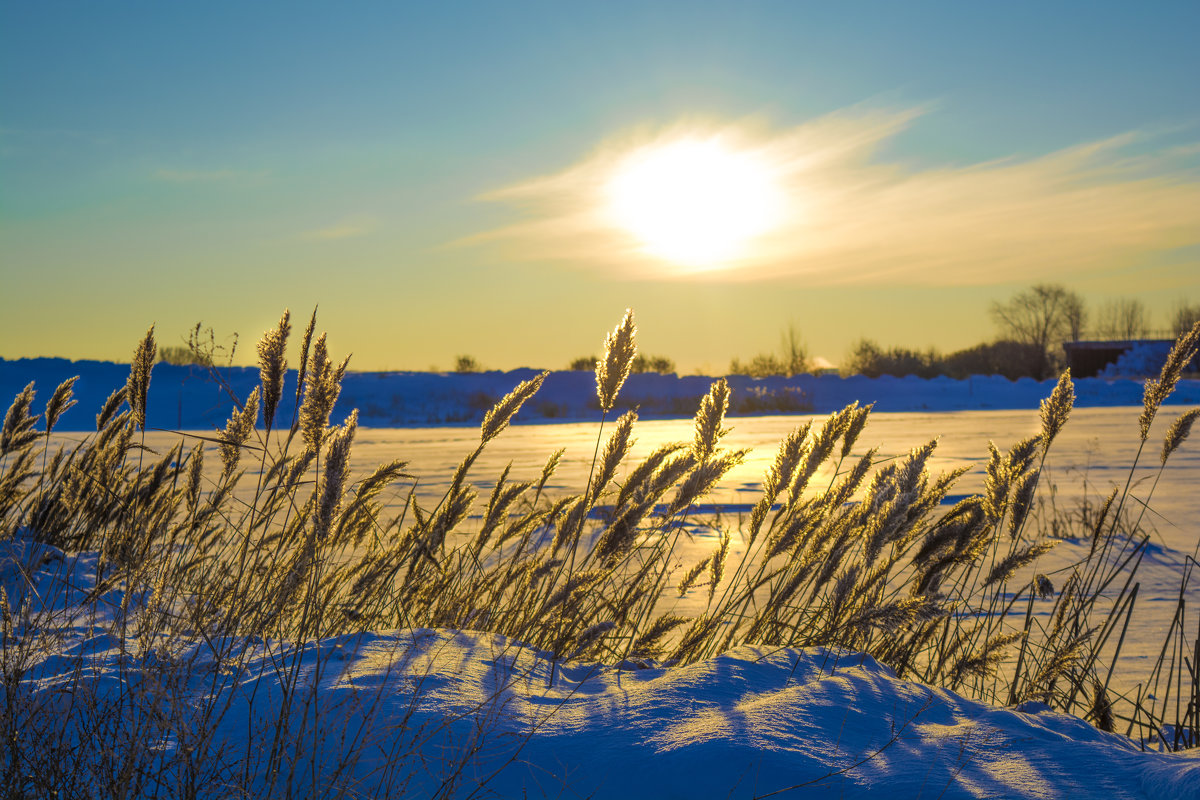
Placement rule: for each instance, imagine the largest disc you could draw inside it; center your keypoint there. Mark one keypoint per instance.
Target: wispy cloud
(346, 229)
(855, 217)
(207, 176)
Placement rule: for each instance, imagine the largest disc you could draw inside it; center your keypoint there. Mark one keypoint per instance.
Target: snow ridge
(420, 710)
(187, 398)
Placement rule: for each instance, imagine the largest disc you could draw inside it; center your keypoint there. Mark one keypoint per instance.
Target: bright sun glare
(695, 202)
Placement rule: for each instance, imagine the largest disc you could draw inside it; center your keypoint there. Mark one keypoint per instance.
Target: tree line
(1033, 325)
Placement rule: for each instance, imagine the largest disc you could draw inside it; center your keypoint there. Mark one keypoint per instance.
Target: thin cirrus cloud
(855, 218)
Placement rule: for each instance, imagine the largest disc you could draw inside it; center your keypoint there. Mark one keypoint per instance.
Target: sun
(695, 202)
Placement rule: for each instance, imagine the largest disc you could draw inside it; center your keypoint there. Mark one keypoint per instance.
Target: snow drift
(422, 712)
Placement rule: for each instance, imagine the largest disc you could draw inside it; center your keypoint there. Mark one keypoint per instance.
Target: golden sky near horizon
(505, 184)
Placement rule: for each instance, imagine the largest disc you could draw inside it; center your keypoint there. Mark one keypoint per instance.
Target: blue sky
(178, 162)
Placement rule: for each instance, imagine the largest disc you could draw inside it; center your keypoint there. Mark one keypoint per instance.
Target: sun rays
(820, 204)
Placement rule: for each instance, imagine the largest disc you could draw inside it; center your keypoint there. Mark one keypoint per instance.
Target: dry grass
(871, 560)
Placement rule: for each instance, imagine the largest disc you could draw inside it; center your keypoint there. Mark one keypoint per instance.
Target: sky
(434, 176)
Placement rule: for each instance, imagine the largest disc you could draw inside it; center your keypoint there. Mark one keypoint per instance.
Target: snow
(1143, 358)
(186, 398)
(407, 711)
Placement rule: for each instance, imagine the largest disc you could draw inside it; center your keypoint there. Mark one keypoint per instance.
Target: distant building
(1119, 358)
(823, 366)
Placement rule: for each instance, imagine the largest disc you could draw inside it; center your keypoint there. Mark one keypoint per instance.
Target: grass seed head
(1178, 432)
(549, 468)
(1022, 501)
(692, 575)
(1157, 390)
(615, 450)
(1101, 711)
(108, 412)
(1022, 453)
(306, 343)
(18, 430)
(272, 366)
(237, 431)
(497, 419)
(1057, 408)
(1008, 565)
(611, 371)
(138, 384)
(856, 422)
(195, 470)
(337, 468)
(708, 430)
(716, 568)
(321, 390)
(59, 402)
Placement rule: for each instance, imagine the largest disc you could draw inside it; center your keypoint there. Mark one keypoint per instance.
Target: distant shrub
(467, 364)
(1184, 317)
(641, 363)
(660, 364)
(201, 349)
(1008, 358)
(480, 401)
(583, 364)
(869, 359)
(760, 400)
(548, 409)
(792, 359)
(180, 356)
(1011, 359)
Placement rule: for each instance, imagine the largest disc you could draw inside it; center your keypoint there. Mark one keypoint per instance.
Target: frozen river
(1093, 453)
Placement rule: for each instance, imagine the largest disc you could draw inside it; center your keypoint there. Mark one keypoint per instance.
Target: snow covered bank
(409, 713)
(188, 398)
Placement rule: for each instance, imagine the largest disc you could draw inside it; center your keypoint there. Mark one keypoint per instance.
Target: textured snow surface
(188, 398)
(422, 707)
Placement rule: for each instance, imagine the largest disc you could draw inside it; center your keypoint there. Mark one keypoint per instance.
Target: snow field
(454, 712)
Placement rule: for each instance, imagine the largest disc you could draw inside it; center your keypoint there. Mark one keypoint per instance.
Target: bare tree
(1076, 314)
(1183, 317)
(1041, 316)
(1123, 319)
(794, 351)
(792, 359)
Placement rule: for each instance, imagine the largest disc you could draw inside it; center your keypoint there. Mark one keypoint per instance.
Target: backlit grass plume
(1056, 409)
(273, 366)
(305, 344)
(1159, 389)
(337, 468)
(138, 385)
(237, 432)
(19, 423)
(1178, 432)
(59, 402)
(709, 418)
(498, 417)
(323, 383)
(611, 371)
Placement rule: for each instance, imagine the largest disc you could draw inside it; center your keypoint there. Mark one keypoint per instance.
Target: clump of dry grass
(841, 549)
